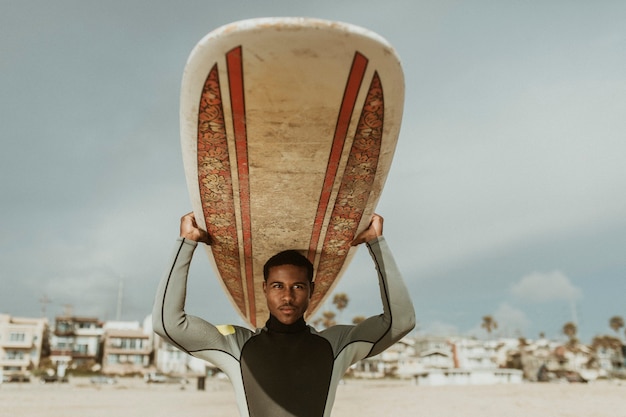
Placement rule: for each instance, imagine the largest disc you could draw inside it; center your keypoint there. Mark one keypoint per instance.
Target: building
(458, 361)
(474, 354)
(22, 341)
(75, 342)
(436, 352)
(173, 361)
(610, 355)
(170, 360)
(389, 362)
(127, 349)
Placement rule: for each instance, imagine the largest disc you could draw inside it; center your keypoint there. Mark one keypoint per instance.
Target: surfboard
(288, 130)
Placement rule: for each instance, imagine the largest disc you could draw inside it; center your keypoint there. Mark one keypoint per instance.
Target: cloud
(541, 287)
(511, 321)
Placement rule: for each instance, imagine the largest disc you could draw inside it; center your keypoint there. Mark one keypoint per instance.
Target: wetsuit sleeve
(169, 320)
(398, 317)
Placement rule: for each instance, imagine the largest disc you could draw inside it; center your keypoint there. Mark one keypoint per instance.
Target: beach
(364, 398)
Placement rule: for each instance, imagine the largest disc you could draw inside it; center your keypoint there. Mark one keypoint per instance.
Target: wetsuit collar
(274, 325)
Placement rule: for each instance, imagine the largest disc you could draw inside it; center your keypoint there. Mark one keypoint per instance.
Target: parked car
(15, 378)
(155, 377)
(48, 379)
(103, 380)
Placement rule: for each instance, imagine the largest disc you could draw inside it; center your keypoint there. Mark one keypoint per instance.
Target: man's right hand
(374, 230)
(189, 229)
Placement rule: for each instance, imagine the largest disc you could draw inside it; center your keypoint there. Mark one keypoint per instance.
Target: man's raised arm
(398, 317)
(169, 320)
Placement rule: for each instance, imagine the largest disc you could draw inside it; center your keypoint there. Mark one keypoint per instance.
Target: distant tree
(328, 319)
(341, 300)
(616, 323)
(570, 329)
(489, 324)
(606, 342)
(358, 319)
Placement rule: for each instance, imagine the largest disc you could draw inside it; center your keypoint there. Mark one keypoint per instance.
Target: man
(286, 368)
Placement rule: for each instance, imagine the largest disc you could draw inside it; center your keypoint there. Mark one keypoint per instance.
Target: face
(287, 291)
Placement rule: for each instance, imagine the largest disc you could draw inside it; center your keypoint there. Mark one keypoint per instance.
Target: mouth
(287, 309)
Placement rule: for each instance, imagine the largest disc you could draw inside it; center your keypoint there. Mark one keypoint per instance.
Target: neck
(274, 325)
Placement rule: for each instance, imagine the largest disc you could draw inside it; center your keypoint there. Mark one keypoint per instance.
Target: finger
(377, 218)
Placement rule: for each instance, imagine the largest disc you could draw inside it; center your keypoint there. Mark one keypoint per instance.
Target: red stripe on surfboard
(354, 191)
(216, 187)
(234, 63)
(353, 85)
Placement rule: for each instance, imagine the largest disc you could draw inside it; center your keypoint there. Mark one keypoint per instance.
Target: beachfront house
(172, 361)
(458, 361)
(127, 348)
(22, 341)
(75, 341)
(386, 363)
(610, 355)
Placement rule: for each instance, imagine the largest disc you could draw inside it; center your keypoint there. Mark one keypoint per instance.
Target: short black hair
(289, 257)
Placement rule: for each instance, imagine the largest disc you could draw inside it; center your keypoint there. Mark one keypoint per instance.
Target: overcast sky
(507, 195)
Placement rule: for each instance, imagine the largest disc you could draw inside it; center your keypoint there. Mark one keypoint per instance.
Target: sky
(506, 197)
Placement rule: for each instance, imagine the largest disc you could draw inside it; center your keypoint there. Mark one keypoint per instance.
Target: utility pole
(120, 293)
(44, 301)
(68, 310)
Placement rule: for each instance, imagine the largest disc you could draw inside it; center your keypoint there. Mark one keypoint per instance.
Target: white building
(459, 361)
(474, 354)
(173, 361)
(127, 348)
(21, 342)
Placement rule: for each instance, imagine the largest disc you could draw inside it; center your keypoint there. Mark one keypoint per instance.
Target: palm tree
(358, 319)
(489, 324)
(616, 323)
(328, 319)
(570, 329)
(340, 300)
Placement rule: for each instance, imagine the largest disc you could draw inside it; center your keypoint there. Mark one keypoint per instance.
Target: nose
(287, 294)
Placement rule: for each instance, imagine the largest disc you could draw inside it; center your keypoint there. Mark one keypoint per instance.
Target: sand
(133, 397)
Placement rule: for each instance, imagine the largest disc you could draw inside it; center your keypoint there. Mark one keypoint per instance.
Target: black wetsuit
(283, 370)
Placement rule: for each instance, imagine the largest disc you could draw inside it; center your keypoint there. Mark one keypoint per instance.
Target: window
(17, 337)
(14, 354)
(82, 349)
(64, 326)
(126, 343)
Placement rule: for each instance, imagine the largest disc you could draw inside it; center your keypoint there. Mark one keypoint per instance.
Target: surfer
(286, 368)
